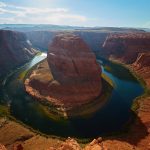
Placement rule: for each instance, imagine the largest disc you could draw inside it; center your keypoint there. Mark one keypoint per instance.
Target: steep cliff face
(73, 77)
(143, 60)
(74, 66)
(70, 58)
(15, 50)
(126, 47)
(41, 39)
(95, 39)
(2, 147)
(142, 66)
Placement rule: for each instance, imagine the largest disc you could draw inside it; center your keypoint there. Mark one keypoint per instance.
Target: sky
(109, 13)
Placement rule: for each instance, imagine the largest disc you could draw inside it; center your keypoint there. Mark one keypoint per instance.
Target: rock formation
(74, 66)
(142, 66)
(134, 49)
(70, 144)
(2, 147)
(73, 77)
(94, 37)
(126, 46)
(143, 60)
(41, 39)
(15, 50)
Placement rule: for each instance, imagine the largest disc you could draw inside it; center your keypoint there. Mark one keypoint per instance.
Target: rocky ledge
(134, 51)
(126, 46)
(142, 66)
(71, 79)
(15, 50)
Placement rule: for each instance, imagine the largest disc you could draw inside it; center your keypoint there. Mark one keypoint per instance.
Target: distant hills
(50, 27)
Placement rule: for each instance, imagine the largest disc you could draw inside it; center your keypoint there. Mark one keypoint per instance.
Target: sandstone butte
(72, 77)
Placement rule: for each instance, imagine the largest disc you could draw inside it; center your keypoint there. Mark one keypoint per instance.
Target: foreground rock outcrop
(2, 147)
(126, 46)
(15, 50)
(72, 78)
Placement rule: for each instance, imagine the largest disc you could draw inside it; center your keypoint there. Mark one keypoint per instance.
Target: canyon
(126, 47)
(94, 37)
(72, 77)
(129, 49)
(15, 50)
(135, 55)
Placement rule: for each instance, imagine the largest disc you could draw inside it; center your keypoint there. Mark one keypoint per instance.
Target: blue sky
(119, 13)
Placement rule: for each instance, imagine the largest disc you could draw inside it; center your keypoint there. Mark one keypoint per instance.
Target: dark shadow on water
(134, 132)
(116, 70)
(110, 119)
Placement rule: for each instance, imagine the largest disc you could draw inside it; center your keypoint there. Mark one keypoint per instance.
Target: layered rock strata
(72, 76)
(15, 50)
(126, 46)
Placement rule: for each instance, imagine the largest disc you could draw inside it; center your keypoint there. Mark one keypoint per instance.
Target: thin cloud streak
(21, 14)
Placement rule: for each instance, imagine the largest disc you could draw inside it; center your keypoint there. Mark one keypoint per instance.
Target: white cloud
(2, 4)
(21, 14)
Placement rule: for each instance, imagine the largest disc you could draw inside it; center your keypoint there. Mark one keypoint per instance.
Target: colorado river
(110, 118)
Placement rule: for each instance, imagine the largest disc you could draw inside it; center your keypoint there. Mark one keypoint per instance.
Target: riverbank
(138, 134)
(142, 109)
(42, 75)
(13, 135)
(135, 138)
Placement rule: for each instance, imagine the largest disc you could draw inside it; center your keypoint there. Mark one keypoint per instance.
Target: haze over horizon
(109, 13)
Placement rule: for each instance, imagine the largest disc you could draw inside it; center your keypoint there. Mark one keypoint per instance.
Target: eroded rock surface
(2, 147)
(15, 50)
(126, 46)
(73, 77)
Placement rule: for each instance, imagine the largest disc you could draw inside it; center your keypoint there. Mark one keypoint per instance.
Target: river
(110, 118)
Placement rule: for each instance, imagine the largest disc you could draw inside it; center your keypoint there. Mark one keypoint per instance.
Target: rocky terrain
(142, 66)
(41, 39)
(94, 37)
(126, 47)
(16, 137)
(134, 51)
(15, 50)
(71, 79)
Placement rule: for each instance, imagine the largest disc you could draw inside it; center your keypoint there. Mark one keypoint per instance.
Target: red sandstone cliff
(74, 66)
(143, 60)
(15, 50)
(73, 78)
(41, 39)
(142, 66)
(126, 47)
(134, 49)
(2, 147)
